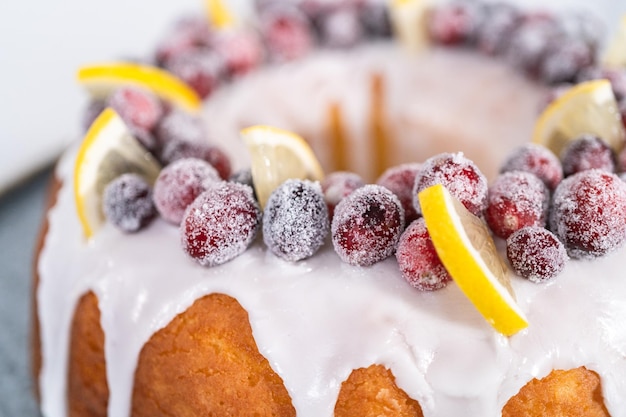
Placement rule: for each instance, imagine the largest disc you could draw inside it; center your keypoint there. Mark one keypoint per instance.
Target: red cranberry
(516, 199)
(588, 213)
(459, 175)
(367, 225)
(295, 220)
(338, 185)
(587, 152)
(177, 149)
(340, 27)
(187, 35)
(180, 126)
(287, 32)
(401, 180)
(220, 224)
(418, 260)
(202, 70)
(531, 41)
(455, 23)
(497, 27)
(536, 254)
(137, 107)
(537, 160)
(127, 203)
(179, 184)
(564, 61)
(241, 50)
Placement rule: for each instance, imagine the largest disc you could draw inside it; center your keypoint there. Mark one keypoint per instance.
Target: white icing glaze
(440, 350)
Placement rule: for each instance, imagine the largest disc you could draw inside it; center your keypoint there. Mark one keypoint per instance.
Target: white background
(43, 42)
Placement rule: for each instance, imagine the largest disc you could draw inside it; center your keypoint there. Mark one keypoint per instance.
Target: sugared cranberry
(516, 199)
(287, 32)
(203, 70)
(585, 27)
(338, 185)
(494, 33)
(295, 220)
(536, 254)
(340, 27)
(177, 149)
(401, 180)
(530, 42)
(588, 213)
(564, 61)
(180, 126)
(241, 50)
(537, 160)
(137, 107)
(455, 23)
(188, 34)
(418, 260)
(243, 176)
(127, 203)
(374, 17)
(179, 184)
(459, 175)
(91, 113)
(367, 225)
(587, 152)
(220, 224)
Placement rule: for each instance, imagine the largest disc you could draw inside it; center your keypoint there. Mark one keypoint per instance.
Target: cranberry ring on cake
(461, 256)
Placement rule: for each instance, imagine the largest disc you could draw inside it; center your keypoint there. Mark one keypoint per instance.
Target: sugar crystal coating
(459, 175)
(530, 42)
(367, 225)
(188, 34)
(500, 22)
(180, 126)
(220, 224)
(456, 22)
(179, 184)
(137, 107)
(536, 254)
(400, 180)
(295, 220)
(537, 160)
(588, 213)
(418, 260)
(338, 185)
(516, 199)
(241, 51)
(587, 152)
(179, 149)
(127, 203)
(340, 27)
(203, 70)
(287, 33)
(565, 60)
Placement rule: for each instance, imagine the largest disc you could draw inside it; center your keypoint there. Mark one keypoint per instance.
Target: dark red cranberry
(203, 70)
(537, 160)
(516, 199)
(127, 203)
(180, 126)
(587, 152)
(177, 149)
(494, 33)
(374, 17)
(241, 50)
(588, 213)
(137, 107)
(367, 225)
(340, 27)
(564, 61)
(179, 184)
(295, 220)
(287, 32)
(585, 27)
(530, 42)
(418, 260)
(459, 175)
(455, 23)
(536, 254)
(188, 35)
(338, 185)
(401, 180)
(220, 224)
(92, 111)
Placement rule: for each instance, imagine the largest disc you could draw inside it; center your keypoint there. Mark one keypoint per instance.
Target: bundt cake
(192, 289)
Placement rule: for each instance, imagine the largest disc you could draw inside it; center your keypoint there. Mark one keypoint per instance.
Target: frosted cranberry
(295, 220)
(537, 160)
(137, 107)
(188, 34)
(455, 23)
(127, 203)
(241, 50)
(497, 27)
(367, 225)
(243, 176)
(587, 152)
(459, 175)
(418, 260)
(516, 199)
(536, 254)
(588, 213)
(338, 185)
(340, 27)
(177, 149)
(91, 112)
(179, 184)
(203, 70)
(564, 61)
(287, 32)
(585, 27)
(220, 224)
(374, 17)
(530, 42)
(400, 180)
(180, 126)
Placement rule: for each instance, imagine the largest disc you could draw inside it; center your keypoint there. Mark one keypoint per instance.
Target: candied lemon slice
(278, 155)
(219, 14)
(108, 150)
(102, 79)
(588, 107)
(409, 18)
(468, 252)
(615, 55)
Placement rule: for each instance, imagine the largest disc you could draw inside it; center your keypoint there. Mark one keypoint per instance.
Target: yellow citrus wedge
(615, 55)
(588, 107)
(219, 14)
(408, 18)
(107, 151)
(278, 155)
(468, 252)
(102, 79)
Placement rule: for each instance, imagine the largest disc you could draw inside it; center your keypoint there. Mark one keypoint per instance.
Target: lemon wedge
(108, 150)
(588, 107)
(408, 18)
(468, 252)
(615, 55)
(278, 155)
(219, 14)
(102, 79)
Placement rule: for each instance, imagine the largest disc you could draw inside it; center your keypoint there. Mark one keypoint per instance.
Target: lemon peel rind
(218, 14)
(99, 78)
(467, 268)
